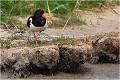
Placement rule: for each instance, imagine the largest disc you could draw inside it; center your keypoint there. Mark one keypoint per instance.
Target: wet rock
(87, 50)
(7, 59)
(14, 59)
(18, 60)
(105, 50)
(20, 68)
(23, 60)
(70, 57)
(45, 57)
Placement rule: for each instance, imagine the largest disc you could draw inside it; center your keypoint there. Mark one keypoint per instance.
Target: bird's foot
(37, 42)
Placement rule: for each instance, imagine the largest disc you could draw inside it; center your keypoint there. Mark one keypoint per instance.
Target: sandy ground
(97, 23)
(4, 34)
(105, 22)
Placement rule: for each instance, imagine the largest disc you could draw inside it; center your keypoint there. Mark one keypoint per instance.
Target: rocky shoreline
(22, 61)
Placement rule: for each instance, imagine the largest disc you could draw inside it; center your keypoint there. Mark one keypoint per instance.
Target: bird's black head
(38, 12)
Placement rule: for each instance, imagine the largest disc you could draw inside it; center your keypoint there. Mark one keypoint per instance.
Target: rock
(7, 59)
(20, 68)
(45, 57)
(105, 50)
(19, 59)
(70, 57)
(86, 49)
(23, 60)
(13, 58)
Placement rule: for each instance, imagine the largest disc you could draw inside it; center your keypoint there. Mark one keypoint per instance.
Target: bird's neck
(37, 16)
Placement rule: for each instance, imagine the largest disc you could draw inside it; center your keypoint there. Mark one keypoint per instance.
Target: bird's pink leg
(35, 37)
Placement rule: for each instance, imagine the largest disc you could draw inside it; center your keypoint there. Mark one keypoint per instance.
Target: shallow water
(86, 71)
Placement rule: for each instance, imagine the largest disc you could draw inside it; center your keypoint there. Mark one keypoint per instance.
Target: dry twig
(7, 26)
(48, 7)
(76, 6)
(116, 11)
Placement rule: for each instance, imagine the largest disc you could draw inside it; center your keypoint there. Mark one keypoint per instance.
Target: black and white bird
(38, 22)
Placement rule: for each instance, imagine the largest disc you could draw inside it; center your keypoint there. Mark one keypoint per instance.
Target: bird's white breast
(36, 29)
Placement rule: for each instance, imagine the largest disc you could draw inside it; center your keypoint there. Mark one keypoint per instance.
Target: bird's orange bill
(46, 18)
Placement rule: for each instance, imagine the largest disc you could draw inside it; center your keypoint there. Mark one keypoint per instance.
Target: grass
(95, 37)
(74, 20)
(24, 8)
(5, 43)
(12, 23)
(110, 34)
(55, 41)
(61, 9)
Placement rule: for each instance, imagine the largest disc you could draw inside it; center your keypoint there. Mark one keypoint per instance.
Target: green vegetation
(54, 41)
(24, 8)
(11, 10)
(111, 34)
(60, 9)
(5, 43)
(95, 37)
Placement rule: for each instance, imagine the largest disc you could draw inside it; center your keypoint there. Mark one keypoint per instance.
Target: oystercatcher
(38, 22)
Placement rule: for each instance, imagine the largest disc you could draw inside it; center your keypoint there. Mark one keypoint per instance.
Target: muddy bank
(86, 71)
(105, 49)
(22, 61)
(50, 61)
